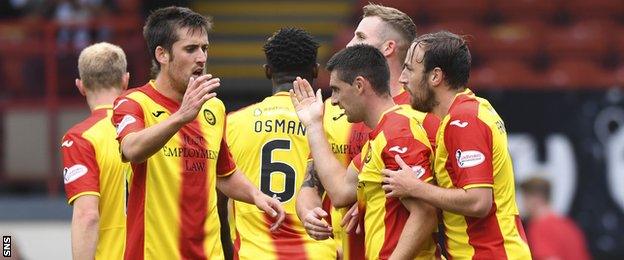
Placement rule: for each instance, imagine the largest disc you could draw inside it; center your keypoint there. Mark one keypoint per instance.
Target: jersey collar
(382, 120)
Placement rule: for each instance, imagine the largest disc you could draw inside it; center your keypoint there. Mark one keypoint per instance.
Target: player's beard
(425, 100)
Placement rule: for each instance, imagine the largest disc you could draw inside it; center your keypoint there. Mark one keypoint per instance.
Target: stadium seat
(526, 10)
(579, 73)
(583, 40)
(511, 41)
(601, 9)
(453, 10)
(505, 74)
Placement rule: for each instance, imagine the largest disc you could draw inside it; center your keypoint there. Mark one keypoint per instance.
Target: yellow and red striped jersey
(346, 141)
(172, 205)
(92, 166)
(269, 144)
(472, 152)
(397, 133)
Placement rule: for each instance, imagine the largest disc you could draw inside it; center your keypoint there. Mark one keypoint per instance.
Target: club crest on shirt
(210, 117)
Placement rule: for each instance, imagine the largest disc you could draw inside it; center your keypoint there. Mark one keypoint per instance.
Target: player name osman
(279, 125)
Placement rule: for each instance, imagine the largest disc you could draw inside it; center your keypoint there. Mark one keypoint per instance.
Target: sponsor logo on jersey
(210, 117)
(398, 149)
(470, 158)
(74, 172)
(158, 113)
(335, 118)
(459, 123)
(119, 103)
(67, 143)
(127, 119)
(257, 112)
(418, 170)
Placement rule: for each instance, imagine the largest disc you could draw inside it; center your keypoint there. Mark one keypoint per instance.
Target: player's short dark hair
(162, 24)
(536, 186)
(291, 50)
(449, 52)
(362, 60)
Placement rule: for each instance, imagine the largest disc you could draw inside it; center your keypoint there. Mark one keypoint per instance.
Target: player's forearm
(417, 230)
(331, 172)
(84, 233)
(237, 187)
(307, 200)
(470, 202)
(138, 146)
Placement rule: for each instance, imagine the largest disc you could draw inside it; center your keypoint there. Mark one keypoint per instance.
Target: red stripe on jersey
(521, 228)
(288, 243)
(194, 197)
(487, 242)
(431, 125)
(135, 230)
(394, 220)
(357, 138)
(357, 250)
(402, 99)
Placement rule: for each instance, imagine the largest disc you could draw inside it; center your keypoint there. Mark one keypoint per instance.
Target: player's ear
(162, 55)
(389, 47)
(315, 70)
(124, 80)
(268, 73)
(359, 84)
(436, 76)
(80, 87)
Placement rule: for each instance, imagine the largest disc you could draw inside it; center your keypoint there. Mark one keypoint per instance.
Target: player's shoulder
(90, 122)
(397, 123)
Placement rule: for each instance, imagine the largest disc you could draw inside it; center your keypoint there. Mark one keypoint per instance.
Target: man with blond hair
(391, 32)
(93, 173)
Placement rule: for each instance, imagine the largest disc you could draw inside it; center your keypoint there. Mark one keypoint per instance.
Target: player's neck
(102, 98)
(395, 73)
(446, 97)
(286, 86)
(375, 109)
(165, 86)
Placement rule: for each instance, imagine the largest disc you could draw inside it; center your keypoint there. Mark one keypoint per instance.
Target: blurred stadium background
(553, 69)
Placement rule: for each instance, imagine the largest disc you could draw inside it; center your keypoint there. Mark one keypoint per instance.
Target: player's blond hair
(398, 21)
(102, 66)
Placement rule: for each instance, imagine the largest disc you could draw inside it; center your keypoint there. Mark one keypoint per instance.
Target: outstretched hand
(309, 106)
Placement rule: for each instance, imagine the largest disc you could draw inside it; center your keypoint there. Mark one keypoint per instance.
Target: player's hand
(351, 220)
(198, 91)
(309, 106)
(315, 224)
(402, 182)
(272, 207)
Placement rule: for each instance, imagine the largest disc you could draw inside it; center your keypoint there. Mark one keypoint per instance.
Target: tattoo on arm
(312, 180)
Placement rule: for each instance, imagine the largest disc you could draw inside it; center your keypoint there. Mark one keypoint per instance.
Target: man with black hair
(473, 167)
(359, 79)
(269, 143)
(172, 131)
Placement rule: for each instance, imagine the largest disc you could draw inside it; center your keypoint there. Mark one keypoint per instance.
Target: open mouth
(198, 72)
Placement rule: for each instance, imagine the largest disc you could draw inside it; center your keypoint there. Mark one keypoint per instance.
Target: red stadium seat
(526, 10)
(601, 9)
(506, 74)
(453, 10)
(570, 73)
(511, 41)
(583, 40)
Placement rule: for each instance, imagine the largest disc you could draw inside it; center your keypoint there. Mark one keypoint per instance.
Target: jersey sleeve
(127, 117)
(357, 163)
(414, 153)
(225, 161)
(468, 141)
(81, 173)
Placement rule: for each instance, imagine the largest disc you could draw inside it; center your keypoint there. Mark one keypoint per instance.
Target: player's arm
(417, 230)
(340, 183)
(237, 187)
(471, 167)
(309, 205)
(140, 145)
(85, 227)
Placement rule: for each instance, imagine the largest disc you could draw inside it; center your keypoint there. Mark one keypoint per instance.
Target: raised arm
(339, 183)
(137, 146)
